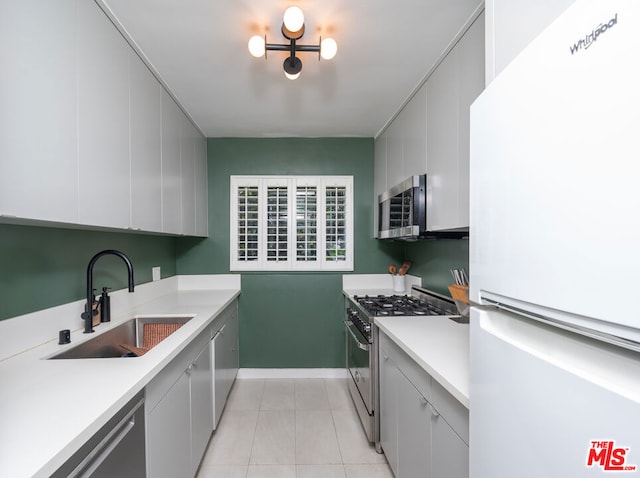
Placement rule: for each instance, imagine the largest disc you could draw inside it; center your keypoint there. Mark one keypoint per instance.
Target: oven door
(359, 365)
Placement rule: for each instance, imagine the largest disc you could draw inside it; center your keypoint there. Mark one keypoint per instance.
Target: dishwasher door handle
(360, 345)
(107, 444)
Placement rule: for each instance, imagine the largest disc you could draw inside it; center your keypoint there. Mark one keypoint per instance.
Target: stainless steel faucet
(89, 311)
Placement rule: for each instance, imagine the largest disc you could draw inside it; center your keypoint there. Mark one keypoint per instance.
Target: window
(291, 223)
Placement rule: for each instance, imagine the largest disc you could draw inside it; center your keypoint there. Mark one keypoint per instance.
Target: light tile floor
(291, 428)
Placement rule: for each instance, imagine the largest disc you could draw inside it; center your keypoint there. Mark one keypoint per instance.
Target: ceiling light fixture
(292, 29)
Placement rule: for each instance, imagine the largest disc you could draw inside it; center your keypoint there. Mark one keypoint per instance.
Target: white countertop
(49, 408)
(438, 344)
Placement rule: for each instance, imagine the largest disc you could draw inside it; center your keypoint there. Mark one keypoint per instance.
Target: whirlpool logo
(590, 38)
(609, 457)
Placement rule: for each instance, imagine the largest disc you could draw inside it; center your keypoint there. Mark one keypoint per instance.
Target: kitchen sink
(114, 342)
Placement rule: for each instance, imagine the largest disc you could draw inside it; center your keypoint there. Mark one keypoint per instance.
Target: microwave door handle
(362, 346)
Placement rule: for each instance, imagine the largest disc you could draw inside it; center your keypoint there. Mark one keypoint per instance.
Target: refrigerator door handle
(610, 338)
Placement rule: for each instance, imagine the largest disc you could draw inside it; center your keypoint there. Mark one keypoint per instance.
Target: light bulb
(256, 46)
(328, 48)
(292, 67)
(292, 77)
(293, 19)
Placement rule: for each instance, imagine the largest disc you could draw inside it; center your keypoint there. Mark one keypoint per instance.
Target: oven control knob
(367, 327)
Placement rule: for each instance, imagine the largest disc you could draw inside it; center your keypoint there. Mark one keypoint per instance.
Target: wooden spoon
(393, 270)
(406, 265)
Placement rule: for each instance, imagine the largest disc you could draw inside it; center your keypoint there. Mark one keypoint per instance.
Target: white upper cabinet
(406, 140)
(88, 135)
(451, 89)
(431, 134)
(379, 175)
(188, 139)
(38, 98)
(202, 182)
(103, 121)
(146, 159)
(471, 82)
(395, 151)
(171, 181)
(414, 153)
(380, 166)
(442, 145)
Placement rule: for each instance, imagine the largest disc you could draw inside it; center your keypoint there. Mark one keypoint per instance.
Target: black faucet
(89, 312)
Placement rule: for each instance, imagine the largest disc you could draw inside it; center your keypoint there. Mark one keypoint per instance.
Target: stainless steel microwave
(402, 210)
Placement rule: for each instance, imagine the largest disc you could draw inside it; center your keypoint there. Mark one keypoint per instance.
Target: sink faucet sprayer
(89, 311)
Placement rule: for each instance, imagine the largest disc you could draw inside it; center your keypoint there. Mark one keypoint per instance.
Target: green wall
(433, 259)
(41, 267)
(289, 319)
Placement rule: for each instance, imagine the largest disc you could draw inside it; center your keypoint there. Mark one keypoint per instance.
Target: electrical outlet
(155, 273)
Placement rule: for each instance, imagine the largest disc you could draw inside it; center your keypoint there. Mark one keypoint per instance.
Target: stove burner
(398, 305)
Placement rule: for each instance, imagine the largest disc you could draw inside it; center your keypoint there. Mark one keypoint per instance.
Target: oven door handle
(362, 346)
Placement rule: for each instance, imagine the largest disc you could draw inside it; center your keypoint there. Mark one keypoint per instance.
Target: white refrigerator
(555, 253)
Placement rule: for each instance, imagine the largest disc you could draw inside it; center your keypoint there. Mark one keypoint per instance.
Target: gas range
(362, 344)
(422, 302)
(400, 305)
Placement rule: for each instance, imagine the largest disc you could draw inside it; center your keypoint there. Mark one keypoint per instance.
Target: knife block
(460, 295)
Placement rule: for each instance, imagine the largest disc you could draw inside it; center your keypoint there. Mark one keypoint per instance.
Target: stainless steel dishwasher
(116, 450)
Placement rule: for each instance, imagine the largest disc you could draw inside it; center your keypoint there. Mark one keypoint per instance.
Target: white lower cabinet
(414, 430)
(224, 352)
(169, 433)
(449, 453)
(181, 400)
(201, 377)
(179, 418)
(389, 377)
(424, 431)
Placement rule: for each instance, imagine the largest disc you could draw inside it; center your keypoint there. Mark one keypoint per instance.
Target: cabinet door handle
(190, 368)
(386, 357)
(434, 412)
(423, 401)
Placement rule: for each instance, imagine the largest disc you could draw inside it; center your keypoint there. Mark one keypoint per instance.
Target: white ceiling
(199, 49)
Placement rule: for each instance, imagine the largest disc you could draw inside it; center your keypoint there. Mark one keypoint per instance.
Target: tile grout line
(338, 405)
(335, 428)
(295, 430)
(255, 428)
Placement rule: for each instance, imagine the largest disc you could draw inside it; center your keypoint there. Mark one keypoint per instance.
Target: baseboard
(292, 373)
